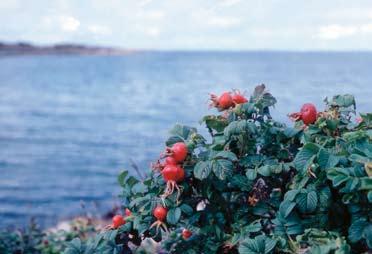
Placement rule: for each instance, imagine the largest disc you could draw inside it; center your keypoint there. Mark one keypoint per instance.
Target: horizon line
(139, 49)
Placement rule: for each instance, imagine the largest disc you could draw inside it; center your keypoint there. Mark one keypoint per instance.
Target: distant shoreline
(22, 48)
(27, 48)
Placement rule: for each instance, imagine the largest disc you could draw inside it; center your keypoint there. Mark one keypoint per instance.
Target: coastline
(22, 48)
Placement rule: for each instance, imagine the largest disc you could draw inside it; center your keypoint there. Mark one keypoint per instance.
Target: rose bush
(256, 185)
(253, 186)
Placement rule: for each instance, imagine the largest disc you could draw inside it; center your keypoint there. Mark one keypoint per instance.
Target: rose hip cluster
(172, 171)
(227, 100)
(170, 167)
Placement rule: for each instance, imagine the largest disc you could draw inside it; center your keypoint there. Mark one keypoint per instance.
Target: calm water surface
(68, 124)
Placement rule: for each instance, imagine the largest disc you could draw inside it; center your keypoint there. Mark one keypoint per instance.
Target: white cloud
(228, 3)
(9, 4)
(332, 32)
(68, 23)
(350, 13)
(99, 30)
(65, 23)
(211, 19)
(151, 14)
(366, 28)
(152, 31)
(222, 21)
(145, 2)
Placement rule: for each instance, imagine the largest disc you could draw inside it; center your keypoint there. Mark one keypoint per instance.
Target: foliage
(259, 186)
(33, 240)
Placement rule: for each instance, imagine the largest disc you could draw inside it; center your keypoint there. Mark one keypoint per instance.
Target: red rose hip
(308, 113)
(186, 234)
(117, 221)
(160, 213)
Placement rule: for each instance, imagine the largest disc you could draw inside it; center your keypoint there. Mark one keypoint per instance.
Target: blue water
(68, 124)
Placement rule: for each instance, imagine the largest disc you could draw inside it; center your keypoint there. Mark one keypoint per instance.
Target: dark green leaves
(74, 247)
(305, 156)
(238, 128)
(345, 101)
(226, 155)
(259, 245)
(222, 168)
(202, 169)
(286, 208)
(262, 98)
(173, 215)
(307, 201)
(180, 133)
(217, 123)
(359, 229)
(221, 164)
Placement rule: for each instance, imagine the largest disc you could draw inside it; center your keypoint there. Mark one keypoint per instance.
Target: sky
(191, 24)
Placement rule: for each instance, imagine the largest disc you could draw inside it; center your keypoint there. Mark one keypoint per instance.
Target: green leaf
(365, 183)
(259, 245)
(217, 123)
(251, 174)
(74, 247)
(249, 246)
(369, 196)
(345, 101)
(139, 188)
(291, 195)
(173, 215)
(286, 208)
(337, 176)
(367, 119)
(304, 155)
(185, 208)
(356, 229)
(270, 245)
(261, 98)
(253, 227)
(367, 234)
(202, 170)
(264, 170)
(359, 158)
(182, 131)
(121, 177)
(226, 155)
(291, 132)
(307, 202)
(173, 139)
(222, 168)
(326, 160)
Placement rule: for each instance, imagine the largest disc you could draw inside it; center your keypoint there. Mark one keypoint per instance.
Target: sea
(70, 123)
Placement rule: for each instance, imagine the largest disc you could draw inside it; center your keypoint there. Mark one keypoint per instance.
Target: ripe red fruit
(180, 174)
(225, 101)
(238, 98)
(170, 161)
(186, 234)
(160, 213)
(170, 173)
(308, 113)
(179, 151)
(127, 212)
(117, 221)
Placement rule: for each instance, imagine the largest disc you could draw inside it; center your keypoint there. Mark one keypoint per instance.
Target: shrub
(258, 186)
(254, 186)
(34, 240)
